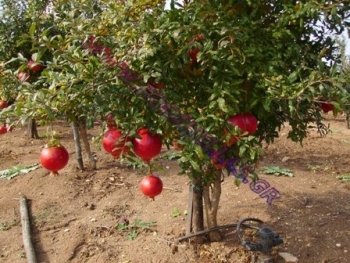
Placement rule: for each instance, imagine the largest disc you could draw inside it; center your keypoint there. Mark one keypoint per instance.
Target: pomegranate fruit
(54, 158)
(326, 106)
(34, 66)
(246, 122)
(3, 129)
(3, 104)
(114, 142)
(151, 186)
(148, 146)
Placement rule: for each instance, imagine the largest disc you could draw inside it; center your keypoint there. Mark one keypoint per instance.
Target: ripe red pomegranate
(114, 142)
(3, 104)
(326, 106)
(246, 122)
(148, 146)
(34, 66)
(54, 158)
(151, 186)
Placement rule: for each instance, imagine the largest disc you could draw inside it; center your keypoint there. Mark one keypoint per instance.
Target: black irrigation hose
(240, 224)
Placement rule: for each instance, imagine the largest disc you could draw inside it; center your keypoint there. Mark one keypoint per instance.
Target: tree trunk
(32, 131)
(198, 216)
(84, 137)
(211, 197)
(77, 144)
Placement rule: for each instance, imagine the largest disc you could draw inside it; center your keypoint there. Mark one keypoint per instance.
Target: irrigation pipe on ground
(26, 234)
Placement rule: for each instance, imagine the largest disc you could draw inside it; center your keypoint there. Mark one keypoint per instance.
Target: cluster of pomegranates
(33, 68)
(145, 145)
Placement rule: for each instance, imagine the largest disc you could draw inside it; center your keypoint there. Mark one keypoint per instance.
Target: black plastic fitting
(267, 238)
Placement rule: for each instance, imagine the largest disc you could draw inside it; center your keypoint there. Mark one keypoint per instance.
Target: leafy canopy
(214, 59)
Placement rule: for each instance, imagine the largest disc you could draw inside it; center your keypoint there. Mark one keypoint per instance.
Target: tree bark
(211, 197)
(32, 131)
(198, 216)
(77, 144)
(84, 138)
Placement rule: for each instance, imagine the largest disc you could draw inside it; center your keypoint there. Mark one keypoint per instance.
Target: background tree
(15, 22)
(345, 71)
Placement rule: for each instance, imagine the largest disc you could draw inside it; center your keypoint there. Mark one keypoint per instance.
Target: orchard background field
(76, 214)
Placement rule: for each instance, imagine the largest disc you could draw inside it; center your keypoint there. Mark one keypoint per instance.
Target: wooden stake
(189, 211)
(26, 235)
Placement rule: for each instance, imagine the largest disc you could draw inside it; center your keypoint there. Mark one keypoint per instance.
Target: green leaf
(199, 151)
(344, 177)
(293, 77)
(142, 224)
(41, 54)
(122, 226)
(175, 213)
(50, 113)
(242, 150)
(132, 235)
(32, 29)
(17, 170)
(195, 165)
(222, 104)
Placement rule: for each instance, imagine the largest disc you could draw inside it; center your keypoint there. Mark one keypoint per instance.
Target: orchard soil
(75, 215)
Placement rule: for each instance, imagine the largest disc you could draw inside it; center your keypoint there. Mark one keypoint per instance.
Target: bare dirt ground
(75, 215)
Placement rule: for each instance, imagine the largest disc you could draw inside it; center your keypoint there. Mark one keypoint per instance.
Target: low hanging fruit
(246, 122)
(114, 142)
(326, 106)
(3, 129)
(54, 157)
(34, 66)
(3, 104)
(148, 146)
(193, 52)
(151, 186)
